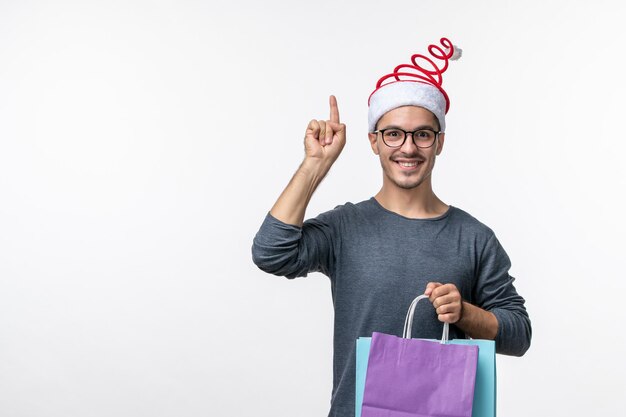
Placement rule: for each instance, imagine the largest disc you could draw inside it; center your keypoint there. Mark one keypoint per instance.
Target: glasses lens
(393, 137)
(424, 138)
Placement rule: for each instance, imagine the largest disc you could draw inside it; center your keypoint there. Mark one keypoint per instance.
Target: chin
(412, 181)
(409, 185)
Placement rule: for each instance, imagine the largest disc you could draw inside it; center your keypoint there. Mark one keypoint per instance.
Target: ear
(373, 142)
(442, 138)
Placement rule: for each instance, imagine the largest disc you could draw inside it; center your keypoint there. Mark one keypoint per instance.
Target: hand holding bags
(412, 377)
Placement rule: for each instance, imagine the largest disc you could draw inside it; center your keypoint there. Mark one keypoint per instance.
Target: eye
(424, 134)
(394, 134)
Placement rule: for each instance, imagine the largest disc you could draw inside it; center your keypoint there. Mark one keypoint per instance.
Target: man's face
(408, 166)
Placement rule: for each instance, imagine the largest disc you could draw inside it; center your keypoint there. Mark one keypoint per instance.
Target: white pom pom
(458, 52)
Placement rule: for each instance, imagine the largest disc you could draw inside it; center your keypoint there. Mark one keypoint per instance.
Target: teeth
(408, 164)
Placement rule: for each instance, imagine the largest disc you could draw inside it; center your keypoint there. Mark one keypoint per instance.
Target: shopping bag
(413, 377)
(362, 356)
(485, 389)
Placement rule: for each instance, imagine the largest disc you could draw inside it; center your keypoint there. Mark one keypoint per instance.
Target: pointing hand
(324, 139)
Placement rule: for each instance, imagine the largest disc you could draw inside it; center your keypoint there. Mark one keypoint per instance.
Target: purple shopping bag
(418, 378)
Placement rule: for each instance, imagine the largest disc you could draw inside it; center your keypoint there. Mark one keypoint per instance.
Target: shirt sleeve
(496, 293)
(291, 251)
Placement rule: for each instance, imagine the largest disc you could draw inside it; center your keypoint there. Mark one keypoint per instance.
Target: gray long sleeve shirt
(378, 261)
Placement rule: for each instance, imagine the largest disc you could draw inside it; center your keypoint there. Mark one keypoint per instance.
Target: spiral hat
(416, 84)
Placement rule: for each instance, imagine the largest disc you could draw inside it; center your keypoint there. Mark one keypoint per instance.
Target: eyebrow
(422, 127)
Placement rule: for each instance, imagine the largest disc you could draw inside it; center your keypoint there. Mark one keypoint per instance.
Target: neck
(416, 203)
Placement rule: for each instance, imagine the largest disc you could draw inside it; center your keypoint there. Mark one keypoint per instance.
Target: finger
(338, 131)
(448, 318)
(327, 138)
(442, 290)
(337, 127)
(313, 128)
(323, 129)
(334, 109)
(448, 299)
(430, 287)
(329, 133)
(449, 308)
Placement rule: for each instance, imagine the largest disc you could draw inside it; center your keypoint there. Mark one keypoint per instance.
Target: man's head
(406, 117)
(409, 161)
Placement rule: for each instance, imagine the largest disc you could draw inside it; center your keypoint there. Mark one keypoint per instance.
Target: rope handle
(408, 321)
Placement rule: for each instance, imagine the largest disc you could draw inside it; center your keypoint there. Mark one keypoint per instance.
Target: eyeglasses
(395, 137)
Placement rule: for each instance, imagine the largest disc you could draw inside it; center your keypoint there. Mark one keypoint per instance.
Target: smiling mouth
(409, 164)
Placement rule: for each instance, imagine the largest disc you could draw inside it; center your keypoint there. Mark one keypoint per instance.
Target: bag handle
(408, 321)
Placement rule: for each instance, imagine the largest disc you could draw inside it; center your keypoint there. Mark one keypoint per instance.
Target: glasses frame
(406, 134)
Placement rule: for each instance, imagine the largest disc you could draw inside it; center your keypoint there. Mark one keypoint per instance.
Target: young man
(380, 253)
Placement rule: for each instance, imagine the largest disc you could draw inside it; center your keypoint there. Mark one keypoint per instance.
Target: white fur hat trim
(406, 93)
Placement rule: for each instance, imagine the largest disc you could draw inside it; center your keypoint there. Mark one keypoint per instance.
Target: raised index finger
(334, 110)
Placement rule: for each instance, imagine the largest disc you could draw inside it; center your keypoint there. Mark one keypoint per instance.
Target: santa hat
(415, 84)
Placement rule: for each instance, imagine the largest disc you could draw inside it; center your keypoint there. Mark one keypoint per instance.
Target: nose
(409, 145)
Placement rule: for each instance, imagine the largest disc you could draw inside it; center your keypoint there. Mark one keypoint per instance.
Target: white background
(142, 143)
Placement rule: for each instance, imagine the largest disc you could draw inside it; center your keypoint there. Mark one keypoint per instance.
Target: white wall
(128, 207)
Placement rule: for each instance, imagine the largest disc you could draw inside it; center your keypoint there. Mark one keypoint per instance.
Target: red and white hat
(415, 84)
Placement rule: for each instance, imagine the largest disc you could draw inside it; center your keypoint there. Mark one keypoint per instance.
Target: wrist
(466, 313)
(314, 168)
(477, 323)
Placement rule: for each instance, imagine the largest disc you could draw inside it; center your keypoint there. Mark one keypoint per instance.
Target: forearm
(275, 249)
(477, 323)
(292, 203)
